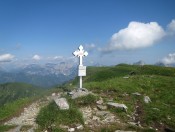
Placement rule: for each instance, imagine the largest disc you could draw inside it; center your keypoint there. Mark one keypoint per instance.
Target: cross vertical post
(81, 69)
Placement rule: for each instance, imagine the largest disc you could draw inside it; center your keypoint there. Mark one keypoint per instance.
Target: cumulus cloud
(36, 57)
(136, 35)
(6, 58)
(170, 59)
(171, 28)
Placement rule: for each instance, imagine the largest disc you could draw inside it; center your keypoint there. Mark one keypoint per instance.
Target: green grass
(4, 128)
(86, 100)
(159, 88)
(156, 82)
(14, 91)
(51, 117)
(14, 97)
(10, 109)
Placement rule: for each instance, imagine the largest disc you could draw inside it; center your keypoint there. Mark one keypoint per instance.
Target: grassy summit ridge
(120, 82)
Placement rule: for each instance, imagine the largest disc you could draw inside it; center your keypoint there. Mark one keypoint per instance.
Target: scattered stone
(80, 127)
(62, 103)
(99, 102)
(123, 131)
(117, 106)
(168, 117)
(64, 127)
(147, 99)
(79, 93)
(71, 129)
(125, 77)
(101, 107)
(110, 118)
(132, 123)
(53, 94)
(102, 113)
(95, 118)
(125, 94)
(156, 109)
(136, 93)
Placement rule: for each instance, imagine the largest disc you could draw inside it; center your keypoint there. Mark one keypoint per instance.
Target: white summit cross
(81, 69)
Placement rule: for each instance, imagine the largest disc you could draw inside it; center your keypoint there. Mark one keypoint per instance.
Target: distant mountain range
(141, 63)
(46, 75)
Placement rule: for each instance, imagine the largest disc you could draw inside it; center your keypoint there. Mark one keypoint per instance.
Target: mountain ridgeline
(47, 75)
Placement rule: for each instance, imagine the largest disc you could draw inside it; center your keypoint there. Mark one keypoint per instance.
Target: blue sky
(112, 31)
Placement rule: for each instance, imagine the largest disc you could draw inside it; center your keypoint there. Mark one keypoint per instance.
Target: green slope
(156, 82)
(14, 91)
(15, 96)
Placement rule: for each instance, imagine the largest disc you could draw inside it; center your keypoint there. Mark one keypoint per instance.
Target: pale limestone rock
(99, 102)
(102, 113)
(147, 99)
(80, 127)
(117, 105)
(102, 107)
(79, 93)
(71, 129)
(62, 103)
(136, 93)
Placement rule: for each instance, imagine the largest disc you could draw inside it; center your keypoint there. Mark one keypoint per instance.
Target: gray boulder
(117, 106)
(62, 103)
(101, 107)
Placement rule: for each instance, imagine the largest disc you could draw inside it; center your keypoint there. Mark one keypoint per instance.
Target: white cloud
(6, 58)
(36, 57)
(90, 47)
(171, 28)
(57, 57)
(136, 35)
(170, 59)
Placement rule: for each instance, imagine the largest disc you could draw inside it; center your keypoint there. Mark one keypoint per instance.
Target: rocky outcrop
(79, 93)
